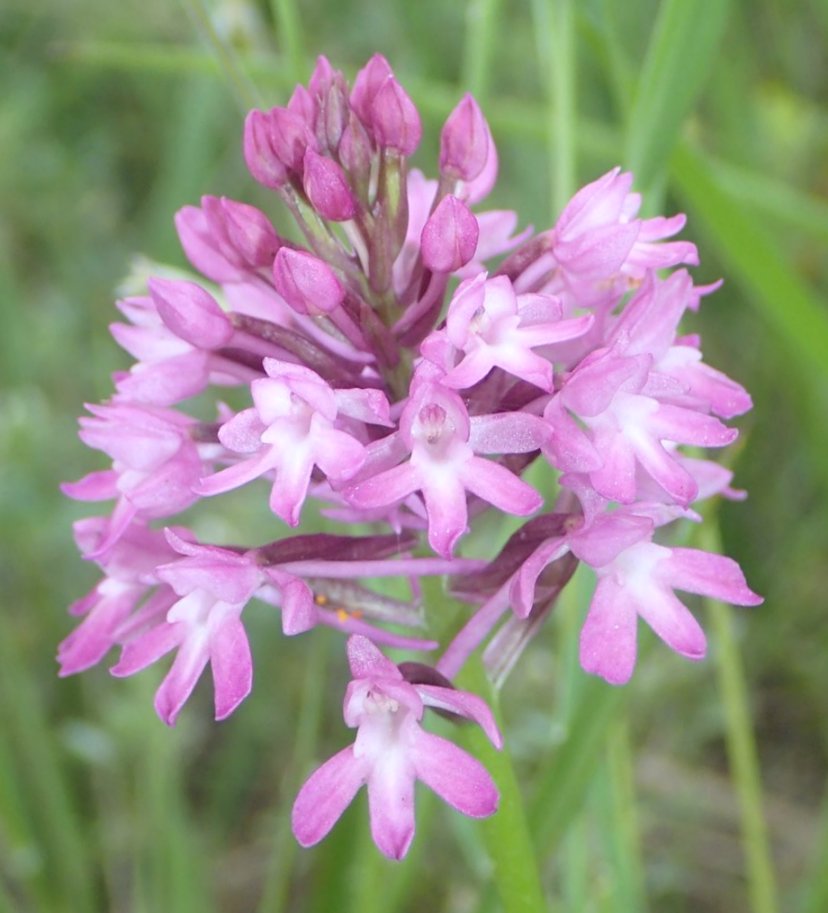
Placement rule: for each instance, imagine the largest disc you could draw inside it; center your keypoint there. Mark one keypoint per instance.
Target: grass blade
(683, 46)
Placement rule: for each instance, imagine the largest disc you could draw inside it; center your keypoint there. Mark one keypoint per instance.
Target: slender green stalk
(623, 832)
(685, 40)
(245, 91)
(741, 746)
(555, 48)
(815, 890)
(277, 884)
(286, 15)
(562, 97)
(481, 26)
(506, 833)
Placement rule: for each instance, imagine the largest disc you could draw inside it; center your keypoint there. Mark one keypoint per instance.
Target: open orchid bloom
(391, 752)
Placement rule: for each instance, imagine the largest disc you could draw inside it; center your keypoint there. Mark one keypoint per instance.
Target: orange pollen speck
(320, 599)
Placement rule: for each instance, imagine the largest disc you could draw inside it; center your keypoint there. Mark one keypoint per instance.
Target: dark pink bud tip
(449, 238)
(191, 312)
(327, 188)
(395, 121)
(262, 161)
(250, 233)
(307, 284)
(464, 141)
(290, 136)
(366, 85)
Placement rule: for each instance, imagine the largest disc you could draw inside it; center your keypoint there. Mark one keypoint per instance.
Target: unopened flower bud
(355, 151)
(191, 312)
(307, 284)
(290, 136)
(395, 122)
(327, 188)
(250, 233)
(449, 238)
(464, 141)
(262, 161)
(368, 82)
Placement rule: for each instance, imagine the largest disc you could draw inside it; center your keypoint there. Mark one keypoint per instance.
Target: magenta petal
(455, 776)
(466, 704)
(522, 592)
(326, 794)
(231, 665)
(608, 637)
(366, 661)
(299, 613)
(716, 576)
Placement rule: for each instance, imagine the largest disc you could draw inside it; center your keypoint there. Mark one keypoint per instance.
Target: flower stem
(741, 746)
(506, 833)
(277, 883)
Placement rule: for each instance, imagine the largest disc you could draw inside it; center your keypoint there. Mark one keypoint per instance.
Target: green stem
(562, 98)
(506, 833)
(481, 26)
(741, 746)
(275, 894)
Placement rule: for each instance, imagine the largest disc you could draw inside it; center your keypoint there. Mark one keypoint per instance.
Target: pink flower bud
(395, 122)
(449, 238)
(262, 161)
(250, 233)
(366, 85)
(464, 141)
(191, 312)
(290, 136)
(302, 104)
(322, 77)
(355, 150)
(327, 188)
(307, 284)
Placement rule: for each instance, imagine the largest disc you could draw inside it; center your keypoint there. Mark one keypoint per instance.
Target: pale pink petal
(178, 685)
(445, 500)
(716, 576)
(501, 488)
(608, 637)
(391, 802)
(672, 621)
(326, 794)
(231, 665)
(464, 703)
(455, 776)
(366, 661)
(522, 592)
(145, 649)
(386, 488)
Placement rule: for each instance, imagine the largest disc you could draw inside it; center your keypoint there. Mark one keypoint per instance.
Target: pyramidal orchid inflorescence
(403, 363)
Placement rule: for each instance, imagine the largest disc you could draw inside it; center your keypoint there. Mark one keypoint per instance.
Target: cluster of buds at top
(404, 364)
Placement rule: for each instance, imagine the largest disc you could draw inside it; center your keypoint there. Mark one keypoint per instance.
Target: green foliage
(115, 114)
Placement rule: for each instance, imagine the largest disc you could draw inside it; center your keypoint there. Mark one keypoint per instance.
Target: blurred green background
(112, 116)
